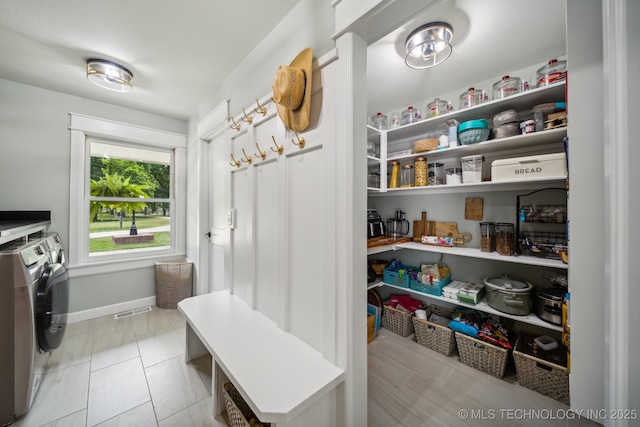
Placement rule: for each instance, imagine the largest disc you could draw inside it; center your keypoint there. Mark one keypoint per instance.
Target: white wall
(34, 174)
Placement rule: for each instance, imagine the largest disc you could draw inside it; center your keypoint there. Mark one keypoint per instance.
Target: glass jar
(554, 72)
(394, 181)
(487, 237)
(395, 121)
(471, 98)
(435, 174)
(380, 121)
(454, 176)
(437, 108)
(507, 86)
(505, 238)
(406, 176)
(410, 115)
(373, 180)
(420, 172)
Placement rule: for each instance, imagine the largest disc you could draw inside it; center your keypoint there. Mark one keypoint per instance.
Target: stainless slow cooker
(509, 295)
(547, 303)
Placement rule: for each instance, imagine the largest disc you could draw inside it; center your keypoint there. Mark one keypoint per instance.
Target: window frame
(84, 130)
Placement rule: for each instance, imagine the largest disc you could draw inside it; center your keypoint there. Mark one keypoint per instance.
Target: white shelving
(530, 318)
(470, 253)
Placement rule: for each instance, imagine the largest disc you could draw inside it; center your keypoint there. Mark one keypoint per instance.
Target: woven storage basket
(397, 321)
(174, 280)
(481, 355)
(431, 335)
(542, 376)
(238, 411)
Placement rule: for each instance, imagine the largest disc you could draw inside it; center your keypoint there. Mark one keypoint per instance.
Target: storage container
(529, 168)
(506, 86)
(435, 174)
(487, 237)
(433, 335)
(238, 411)
(420, 172)
(371, 327)
(473, 131)
(397, 321)
(437, 108)
(543, 371)
(472, 169)
(380, 121)
(481, 355)
(554, 72)
(410, 115)
(434, 288)
(454, 176)
(406, 176)
(174, 282)
(472, 97)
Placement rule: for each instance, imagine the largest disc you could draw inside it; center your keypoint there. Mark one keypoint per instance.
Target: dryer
(34, 304)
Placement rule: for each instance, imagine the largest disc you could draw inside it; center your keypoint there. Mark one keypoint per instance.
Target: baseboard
(107, 310)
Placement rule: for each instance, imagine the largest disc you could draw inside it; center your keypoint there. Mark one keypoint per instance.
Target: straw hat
(292, 91)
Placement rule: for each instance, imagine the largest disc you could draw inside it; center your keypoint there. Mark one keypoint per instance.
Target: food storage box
(530, 168)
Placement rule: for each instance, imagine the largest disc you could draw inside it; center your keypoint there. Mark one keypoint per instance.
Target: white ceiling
(179, 51)
(490, 38)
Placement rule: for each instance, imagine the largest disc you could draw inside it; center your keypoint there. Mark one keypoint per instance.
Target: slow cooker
(547, 303)
(509, 295)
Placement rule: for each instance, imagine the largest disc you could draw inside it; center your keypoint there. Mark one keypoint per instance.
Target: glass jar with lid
(410, 115)
(420, 172)
(394, 180)
(437, 108)
(472, 97)
(554, 72)
(507, 86)
(406, 176)
(380, 121)
(505, 241)
(435, 174)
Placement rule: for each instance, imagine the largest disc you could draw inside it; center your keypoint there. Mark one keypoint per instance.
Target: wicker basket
(542, 376)
(481, 355)
(174, 280)
(397, 321)
(238, 412)
(431, 335)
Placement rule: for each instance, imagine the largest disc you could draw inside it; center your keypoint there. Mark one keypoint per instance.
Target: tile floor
(126, 372)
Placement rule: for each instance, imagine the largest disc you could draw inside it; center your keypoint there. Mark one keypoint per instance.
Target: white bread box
(530, 168)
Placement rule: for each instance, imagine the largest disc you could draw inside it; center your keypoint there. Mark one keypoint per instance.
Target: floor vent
(132, 312)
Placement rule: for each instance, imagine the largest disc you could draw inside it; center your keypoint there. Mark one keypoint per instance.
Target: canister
(471, 98)
(420, 172)
(554, 72)
(406, 176)
(507, 86)
(527, 127)
(380, 121)
(454, 176)
(472, 169)
(437, 108)
(435, 174)
(410, 115)
(395, 121)
(487, 237)
(505, 238)
(394, 181)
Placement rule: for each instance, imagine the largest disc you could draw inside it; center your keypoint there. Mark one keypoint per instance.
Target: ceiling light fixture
(109, 75)
(429, 45)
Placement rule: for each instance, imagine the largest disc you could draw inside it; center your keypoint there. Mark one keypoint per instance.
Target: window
(127, 195)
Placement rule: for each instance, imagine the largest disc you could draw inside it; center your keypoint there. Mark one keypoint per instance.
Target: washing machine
(34, 305)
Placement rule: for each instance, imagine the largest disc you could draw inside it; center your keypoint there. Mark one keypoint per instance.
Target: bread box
(530, 168)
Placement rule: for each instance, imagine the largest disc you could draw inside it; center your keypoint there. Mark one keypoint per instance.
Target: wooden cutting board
(473, 208)
(449, 229)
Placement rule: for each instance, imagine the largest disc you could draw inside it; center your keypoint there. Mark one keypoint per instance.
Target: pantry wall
(584, 30)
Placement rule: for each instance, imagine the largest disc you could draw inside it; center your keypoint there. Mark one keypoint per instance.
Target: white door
(218, 209)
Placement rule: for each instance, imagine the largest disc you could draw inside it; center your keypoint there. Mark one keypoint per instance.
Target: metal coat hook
(235, 162)
(279, 147)
(300, 142)
(235, 125)
(262, 154)
(246, 158)
(246, 118)
(260, 110)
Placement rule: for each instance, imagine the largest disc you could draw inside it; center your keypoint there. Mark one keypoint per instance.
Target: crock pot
(547, 303)
(509, 295)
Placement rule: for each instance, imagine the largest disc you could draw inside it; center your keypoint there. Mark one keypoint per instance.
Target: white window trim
(84, 127)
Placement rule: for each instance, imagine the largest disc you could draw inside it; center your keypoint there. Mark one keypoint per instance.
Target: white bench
(279, 375)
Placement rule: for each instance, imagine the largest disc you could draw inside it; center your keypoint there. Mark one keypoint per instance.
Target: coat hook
(246, 158)
(279, 147)
(260, 110)
(246, 118)
(235, 125)
(262, 154)
(235, 162)
(300, 142)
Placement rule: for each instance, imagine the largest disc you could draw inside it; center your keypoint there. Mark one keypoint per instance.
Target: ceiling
(180, 52)
(490, 38)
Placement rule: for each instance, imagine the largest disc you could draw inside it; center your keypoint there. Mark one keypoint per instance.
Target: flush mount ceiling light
(429, 45)
(109, 75)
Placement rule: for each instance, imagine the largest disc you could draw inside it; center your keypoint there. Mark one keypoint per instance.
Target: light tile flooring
(126, 372)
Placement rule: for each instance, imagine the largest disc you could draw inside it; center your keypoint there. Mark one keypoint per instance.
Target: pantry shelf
(471, 253)
(485, 186)
(530, 319)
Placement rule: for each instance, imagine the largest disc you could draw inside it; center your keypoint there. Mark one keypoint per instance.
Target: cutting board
(473, 208)
(448, 229)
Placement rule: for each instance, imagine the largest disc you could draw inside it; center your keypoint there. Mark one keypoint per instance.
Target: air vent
(132, 312)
